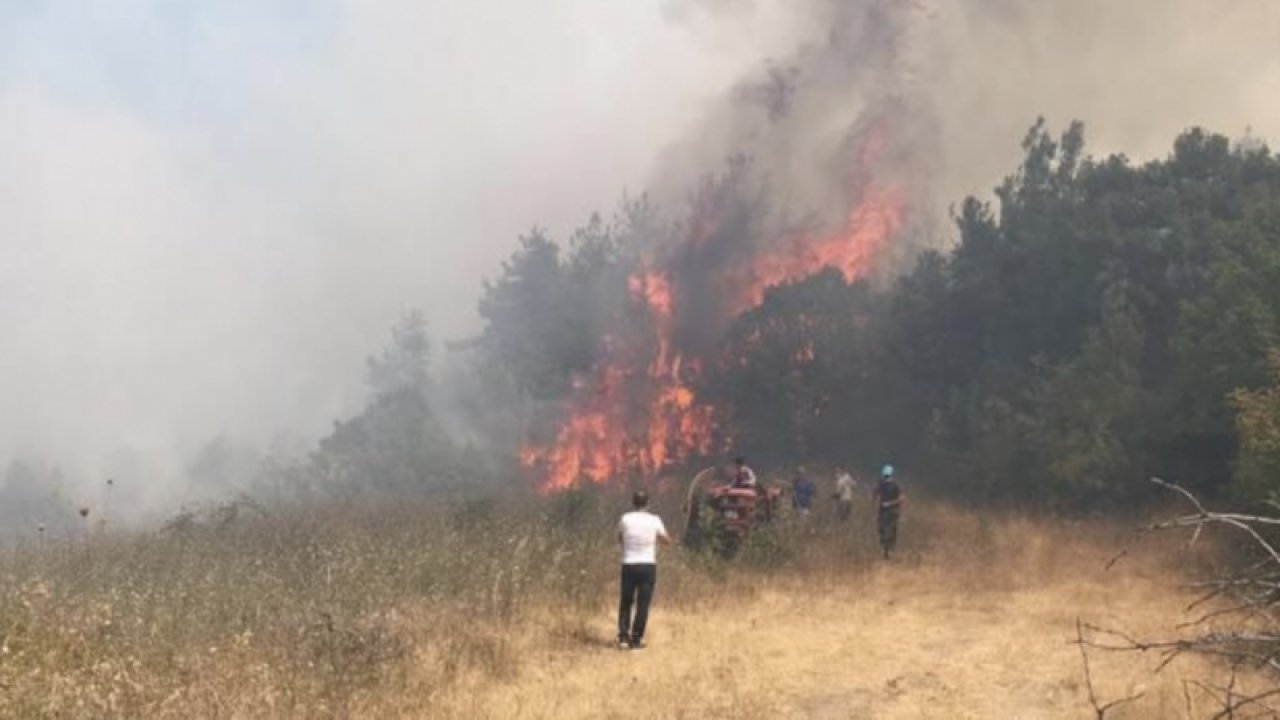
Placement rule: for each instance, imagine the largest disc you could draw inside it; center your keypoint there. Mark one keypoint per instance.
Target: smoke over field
(209, 217)
(399, 300)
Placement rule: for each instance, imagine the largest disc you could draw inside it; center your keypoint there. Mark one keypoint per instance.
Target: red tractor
(721, 515)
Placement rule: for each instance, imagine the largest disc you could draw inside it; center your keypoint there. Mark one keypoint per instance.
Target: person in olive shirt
(845, 487)
(888, 499)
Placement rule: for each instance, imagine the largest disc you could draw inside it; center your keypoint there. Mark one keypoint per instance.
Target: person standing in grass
(845, 487)
(888, 500)
(802, 490)
(639, 533)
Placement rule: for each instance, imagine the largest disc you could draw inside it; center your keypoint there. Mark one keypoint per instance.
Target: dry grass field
(504, 610)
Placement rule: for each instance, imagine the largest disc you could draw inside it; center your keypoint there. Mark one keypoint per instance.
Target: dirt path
(900, 642)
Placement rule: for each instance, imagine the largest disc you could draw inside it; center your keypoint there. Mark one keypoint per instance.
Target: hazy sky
(210, 213)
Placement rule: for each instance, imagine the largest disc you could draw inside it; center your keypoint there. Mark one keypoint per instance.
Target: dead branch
(1100, 710)
(1242, 629)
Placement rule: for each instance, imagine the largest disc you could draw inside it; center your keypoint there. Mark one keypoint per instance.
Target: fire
(677, 425)
(638, 412)
(871, 225)
(589, 443)
(600, 439)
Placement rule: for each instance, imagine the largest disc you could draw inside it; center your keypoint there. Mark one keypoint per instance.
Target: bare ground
(935, 637)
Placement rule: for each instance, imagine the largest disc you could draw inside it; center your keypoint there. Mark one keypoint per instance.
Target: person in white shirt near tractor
(639, 533)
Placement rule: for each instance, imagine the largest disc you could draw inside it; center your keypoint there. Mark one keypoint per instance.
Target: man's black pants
(887, 524)
(637, 589)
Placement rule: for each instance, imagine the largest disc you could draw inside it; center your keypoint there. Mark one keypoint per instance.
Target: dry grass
(490, 610)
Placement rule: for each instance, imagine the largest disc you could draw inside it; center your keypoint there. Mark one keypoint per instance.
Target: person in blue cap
(888, 498)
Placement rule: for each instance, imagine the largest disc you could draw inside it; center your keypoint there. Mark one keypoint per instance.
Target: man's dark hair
(739, 460)
(640, 499)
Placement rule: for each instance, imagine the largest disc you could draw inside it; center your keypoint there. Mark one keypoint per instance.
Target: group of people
(804, 490)
(640, 532)
(886, 495)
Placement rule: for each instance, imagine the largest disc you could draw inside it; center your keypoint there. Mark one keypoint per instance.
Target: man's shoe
(637, 644)
(623, 642)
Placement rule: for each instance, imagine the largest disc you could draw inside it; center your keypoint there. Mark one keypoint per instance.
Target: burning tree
(637, 410)
(823, 174)
(824, 171)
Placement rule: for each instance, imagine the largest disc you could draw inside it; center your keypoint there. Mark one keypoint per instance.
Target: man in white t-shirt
(639, 533)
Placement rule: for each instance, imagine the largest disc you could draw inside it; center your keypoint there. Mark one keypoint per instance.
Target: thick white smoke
(210, 215)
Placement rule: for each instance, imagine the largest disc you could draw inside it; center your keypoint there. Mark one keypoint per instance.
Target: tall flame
(600, 439)
(870, 226)
(637, 413)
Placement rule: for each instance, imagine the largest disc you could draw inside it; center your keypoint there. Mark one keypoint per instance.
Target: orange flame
(600, 441)
(589, 443)
(871, 225)
(639, 413)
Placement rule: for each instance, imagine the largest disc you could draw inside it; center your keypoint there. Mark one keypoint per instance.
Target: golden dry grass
(481, 610)
(976, 622)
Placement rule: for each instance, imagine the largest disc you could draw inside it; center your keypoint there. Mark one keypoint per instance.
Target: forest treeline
(1100, 322)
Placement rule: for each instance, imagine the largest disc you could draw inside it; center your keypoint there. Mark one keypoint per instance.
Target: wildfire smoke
(637, 413)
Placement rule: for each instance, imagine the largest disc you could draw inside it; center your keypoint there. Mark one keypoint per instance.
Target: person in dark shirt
(802, 491)
(888, 499)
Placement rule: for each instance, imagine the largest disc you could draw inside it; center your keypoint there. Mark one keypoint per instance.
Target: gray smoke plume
(972, 75)
(804, 118)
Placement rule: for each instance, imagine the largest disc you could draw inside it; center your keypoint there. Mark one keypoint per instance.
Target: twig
(1254, 593)
(1100, 711)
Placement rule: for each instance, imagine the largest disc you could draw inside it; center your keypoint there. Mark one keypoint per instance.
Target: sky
(211, 213)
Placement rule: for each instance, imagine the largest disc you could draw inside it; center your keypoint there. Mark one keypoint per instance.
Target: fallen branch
(1100, 710)
(1251, 637)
